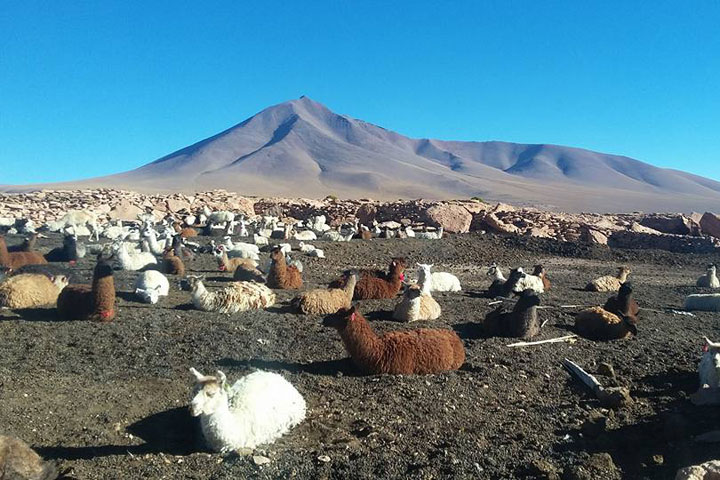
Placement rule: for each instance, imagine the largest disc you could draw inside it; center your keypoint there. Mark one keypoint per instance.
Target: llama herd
(262, 406)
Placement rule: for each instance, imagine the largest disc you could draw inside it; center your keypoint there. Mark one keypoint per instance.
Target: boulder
(705, 471)
(177, 206)
(366, 214)
(710, 224)
(593, 237)
(125, 211)
(496, 225)
(243, 205)
(675, 224)
(20, 462)
(453, 218)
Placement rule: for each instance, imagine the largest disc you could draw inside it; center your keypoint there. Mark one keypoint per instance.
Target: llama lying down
(258, 409)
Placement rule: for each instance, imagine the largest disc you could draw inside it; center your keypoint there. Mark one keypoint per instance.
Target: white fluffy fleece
(258, 409)
(237, 297)
(132, 261)
(709, 302)
(532, 282)
(439, 281)
(151, 285)
(709, 369)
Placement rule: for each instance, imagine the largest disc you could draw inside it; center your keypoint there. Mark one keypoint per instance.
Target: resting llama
(326, 300)
(709, 369)
(94, 302)
(151, 285)
(258, 409)
(521, 322)
(709, 302)
(438, 281)
(31, 290)
(526, 281)
(415, 305)
(237, 297)
(710, 279)
(408, 352)
(132, 261)
(609, 283)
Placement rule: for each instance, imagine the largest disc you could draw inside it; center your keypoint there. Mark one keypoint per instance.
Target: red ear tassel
(221, 268)
(705, 348)
(352, 316)
(72, 263)
(402, 277)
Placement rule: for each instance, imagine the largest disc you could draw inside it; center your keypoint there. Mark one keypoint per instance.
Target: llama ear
(221, 376)
(198, 376)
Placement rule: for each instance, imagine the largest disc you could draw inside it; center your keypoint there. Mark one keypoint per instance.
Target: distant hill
(301, 148)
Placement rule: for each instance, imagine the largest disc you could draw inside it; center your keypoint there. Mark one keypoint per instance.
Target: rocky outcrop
(705, 471)
(710, 224)
(452, 218)
(633, 230)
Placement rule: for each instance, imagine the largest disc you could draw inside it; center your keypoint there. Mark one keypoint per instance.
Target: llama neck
(414, 307)
(624, 303)
(4, 255)
(424, 279)
(623, 277)
(361, 342)
(221, 429)
(280, 265)
(103, 291)
(350, 286)
(199, 293)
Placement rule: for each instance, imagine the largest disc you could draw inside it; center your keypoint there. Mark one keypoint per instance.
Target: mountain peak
(301, 148)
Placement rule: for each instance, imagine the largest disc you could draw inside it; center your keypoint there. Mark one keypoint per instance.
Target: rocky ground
(110, 400)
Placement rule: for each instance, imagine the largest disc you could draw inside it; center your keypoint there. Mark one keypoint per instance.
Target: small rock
(615, 397)
(607, 370)
(323, 458)
(260, 460)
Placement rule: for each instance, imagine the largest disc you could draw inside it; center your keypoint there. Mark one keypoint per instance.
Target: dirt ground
(110, 401)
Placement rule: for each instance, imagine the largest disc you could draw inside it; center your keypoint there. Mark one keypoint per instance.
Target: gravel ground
(110, 400)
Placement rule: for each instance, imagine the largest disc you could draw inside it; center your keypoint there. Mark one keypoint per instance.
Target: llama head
(341, 318)
(626, 289)
(528, 299)
(412, 292)
(149, 295)
(492, 269)
(711, 270)
(276, 254)
(538, 270)
(623, 272)
(629, 323)
(209, 393)
(60, 281)
(191, 282)
(102, 269)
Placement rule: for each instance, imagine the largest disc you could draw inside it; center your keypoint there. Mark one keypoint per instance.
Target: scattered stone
(606, 370)
(615, 397)
(705, 471)
(452, 218)
(323, 458)
(260, 460)
(20, 462)
(710, 224)
(595, 424)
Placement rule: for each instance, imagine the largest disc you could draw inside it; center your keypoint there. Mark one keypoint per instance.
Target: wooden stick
(567, 338)
(582, 375)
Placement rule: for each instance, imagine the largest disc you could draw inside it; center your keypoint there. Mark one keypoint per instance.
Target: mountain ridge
(301, 148)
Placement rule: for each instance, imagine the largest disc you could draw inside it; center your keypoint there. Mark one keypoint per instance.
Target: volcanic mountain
(302, 149)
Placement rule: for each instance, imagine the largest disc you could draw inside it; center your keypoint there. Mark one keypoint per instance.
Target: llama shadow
(469, 330)
(128, 297)
(35, 315)
(475, 294)
(172, 432)
(185, 307)
(382, 315)
(219, 279)
(281, 308)
(325, 367)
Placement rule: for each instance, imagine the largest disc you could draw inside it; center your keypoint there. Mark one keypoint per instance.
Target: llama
(498, 281)
(31, 290)
(281, 275)
(151, 285)
(226, 264)
(596, 323)
(623, 303)
(70, 252)
(94, 302)
(132, 261)
(151, 237)
(709, 302)
(15, 260)
(436, 235)
(28, 244)
(609, 283)
(526, 281)
(258, 409)
(372, 286)
(416, 305)
(241, 249)
(521, 322)
(323, 301)
(437, 281)
(539, 271)
(709, 368)
(422, 351)
(237, 297)
(172, 264)
(77, 218)
(509, 286)
(305, 236)
(710, 279)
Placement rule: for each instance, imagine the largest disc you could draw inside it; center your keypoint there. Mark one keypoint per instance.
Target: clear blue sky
(90, 88)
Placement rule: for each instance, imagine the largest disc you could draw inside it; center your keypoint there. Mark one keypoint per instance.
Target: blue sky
(90, 88)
